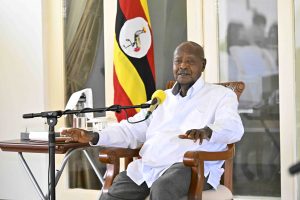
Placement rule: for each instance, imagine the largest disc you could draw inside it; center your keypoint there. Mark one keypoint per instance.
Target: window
(249, 52)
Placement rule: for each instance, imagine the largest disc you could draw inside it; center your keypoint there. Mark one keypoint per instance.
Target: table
(35, 146)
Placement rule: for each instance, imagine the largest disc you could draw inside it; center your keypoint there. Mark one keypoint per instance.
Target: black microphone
(47, 114)
(295, 168)
(157, 98)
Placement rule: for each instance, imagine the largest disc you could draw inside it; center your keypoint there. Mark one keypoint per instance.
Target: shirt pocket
(195, 119)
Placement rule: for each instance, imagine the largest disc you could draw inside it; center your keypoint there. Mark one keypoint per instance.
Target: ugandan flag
(134, 71)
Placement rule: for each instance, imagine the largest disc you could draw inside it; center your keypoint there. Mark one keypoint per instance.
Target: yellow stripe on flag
(133, 86)
(146, 11)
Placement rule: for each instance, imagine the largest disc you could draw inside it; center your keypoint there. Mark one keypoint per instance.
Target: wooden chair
(193, 159)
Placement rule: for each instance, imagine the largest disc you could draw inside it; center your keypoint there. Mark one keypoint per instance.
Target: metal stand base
(59, 172)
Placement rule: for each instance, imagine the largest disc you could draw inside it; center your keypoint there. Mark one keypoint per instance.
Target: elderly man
(195, 116)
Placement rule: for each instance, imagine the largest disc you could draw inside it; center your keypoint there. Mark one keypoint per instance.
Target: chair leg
(111, 172)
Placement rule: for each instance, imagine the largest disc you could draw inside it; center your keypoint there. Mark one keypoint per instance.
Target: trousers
(172, 184)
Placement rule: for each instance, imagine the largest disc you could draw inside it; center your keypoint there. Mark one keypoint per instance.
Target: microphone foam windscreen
(160, 95)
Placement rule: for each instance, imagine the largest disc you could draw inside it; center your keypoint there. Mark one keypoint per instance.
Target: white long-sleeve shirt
(204, 105)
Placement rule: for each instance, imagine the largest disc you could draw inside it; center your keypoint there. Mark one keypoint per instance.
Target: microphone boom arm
(59, 113)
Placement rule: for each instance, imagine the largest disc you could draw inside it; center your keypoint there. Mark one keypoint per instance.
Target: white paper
(38, 136)
(75, 98)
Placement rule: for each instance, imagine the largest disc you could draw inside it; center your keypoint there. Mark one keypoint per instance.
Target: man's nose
(183, 65)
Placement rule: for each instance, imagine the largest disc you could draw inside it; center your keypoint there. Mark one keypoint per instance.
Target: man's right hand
(77, 135)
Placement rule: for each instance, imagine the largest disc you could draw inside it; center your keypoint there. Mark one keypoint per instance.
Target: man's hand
(197, 134)
(77, 135)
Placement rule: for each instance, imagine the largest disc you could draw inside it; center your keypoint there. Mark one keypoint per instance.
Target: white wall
(32, 80)
(110, 10)
(21, 90)
(287, 94)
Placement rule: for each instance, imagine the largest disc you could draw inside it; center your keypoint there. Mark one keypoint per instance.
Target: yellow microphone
(157, 98)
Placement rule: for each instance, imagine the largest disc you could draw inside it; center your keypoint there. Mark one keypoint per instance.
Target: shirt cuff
(95, 139)
(214, 129)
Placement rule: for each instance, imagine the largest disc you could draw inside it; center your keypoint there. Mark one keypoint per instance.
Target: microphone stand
(52, 121)
(52, 117)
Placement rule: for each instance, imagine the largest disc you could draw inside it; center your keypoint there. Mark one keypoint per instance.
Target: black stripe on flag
(141, 64)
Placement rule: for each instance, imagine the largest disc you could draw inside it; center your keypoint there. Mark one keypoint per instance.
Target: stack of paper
(36, 135)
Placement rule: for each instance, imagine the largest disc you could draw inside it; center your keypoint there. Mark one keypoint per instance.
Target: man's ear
(204, 64)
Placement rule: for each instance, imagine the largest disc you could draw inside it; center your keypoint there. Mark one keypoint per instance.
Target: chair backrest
(236, 86)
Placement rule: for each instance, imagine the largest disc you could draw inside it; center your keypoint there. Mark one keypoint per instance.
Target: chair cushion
(222, 193)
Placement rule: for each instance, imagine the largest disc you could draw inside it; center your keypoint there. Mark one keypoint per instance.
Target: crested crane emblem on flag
(137, 40)
(135, 37)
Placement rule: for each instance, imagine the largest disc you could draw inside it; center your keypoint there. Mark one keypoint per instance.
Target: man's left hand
(197, 134)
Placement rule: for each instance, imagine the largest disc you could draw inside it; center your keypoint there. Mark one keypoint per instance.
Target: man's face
(188, 64)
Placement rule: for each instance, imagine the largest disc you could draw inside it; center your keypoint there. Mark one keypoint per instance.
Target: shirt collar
(195, 87)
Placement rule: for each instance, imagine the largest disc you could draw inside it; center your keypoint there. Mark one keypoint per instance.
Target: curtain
(84, 24)
(80, 55)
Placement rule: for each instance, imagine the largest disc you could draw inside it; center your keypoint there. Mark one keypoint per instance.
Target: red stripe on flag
(150, 58)
(121, 98)
(132, 9)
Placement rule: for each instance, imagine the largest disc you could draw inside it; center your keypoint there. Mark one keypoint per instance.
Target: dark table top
(37, 146)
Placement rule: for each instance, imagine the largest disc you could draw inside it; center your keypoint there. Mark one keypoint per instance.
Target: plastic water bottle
(80, 119)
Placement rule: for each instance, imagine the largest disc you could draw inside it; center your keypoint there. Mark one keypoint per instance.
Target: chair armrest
(109, 155)
(192, 158)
